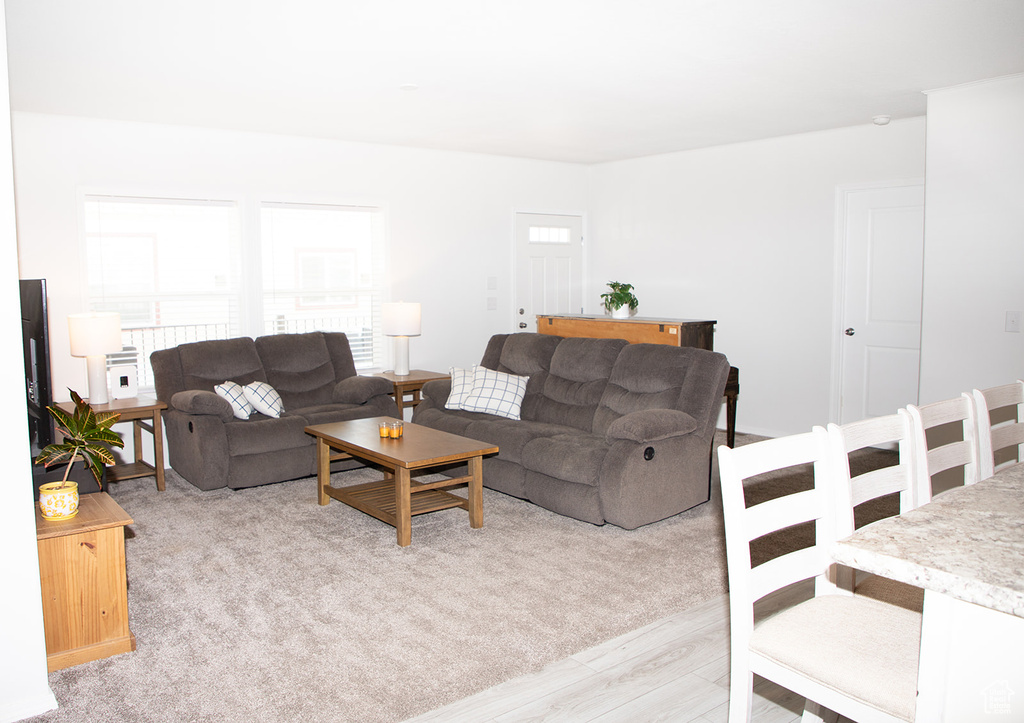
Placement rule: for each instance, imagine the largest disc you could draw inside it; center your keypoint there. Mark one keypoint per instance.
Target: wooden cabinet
(639, 330)
(84, 583)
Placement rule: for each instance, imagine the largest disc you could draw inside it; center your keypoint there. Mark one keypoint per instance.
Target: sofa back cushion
(656, 376)
(526, 355)
(299, 367)
(204, 364)
(575, 383)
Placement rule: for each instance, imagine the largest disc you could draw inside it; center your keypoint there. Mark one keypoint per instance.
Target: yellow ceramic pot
(58, 500)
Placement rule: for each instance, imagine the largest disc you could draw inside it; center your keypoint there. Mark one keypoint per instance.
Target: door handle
(850, 331)
(522, 324)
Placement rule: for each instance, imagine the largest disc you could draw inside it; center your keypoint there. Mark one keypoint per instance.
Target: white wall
(745, 234)
(974, 238)
(450, 214)
(24, 689)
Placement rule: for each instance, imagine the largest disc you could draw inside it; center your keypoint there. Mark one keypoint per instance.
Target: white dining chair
(847, 653)
(854, 490)
(1007, 402)
(935, 456)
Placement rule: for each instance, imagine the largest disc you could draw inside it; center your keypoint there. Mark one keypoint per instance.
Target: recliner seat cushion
(511, 436)
(571, 457)
(260, 434)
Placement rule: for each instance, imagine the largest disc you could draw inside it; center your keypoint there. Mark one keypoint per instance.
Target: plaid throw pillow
(496, 393)
(264, 398)
(231, 391)
(462, 385)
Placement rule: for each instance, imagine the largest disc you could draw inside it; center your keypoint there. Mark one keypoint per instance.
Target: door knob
(522, 324)
(850, 331)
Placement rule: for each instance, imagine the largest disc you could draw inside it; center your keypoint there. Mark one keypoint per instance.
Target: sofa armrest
(650, 425)
(196, 401)
(437, 390)
(359, 390)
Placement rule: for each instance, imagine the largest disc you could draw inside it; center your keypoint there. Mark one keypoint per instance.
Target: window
(179, 270)
(322, 269)
(549, 234)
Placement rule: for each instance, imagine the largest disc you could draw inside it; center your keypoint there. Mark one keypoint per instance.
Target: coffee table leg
(403, 507)
(323, 470)
(476, 492)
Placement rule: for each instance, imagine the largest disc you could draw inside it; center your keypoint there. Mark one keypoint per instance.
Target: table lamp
(401, 320)
(94, 335)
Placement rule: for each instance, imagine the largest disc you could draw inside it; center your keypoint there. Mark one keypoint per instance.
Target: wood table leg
(403, 507)
(158, 449)
(323, 470)
(476, 492)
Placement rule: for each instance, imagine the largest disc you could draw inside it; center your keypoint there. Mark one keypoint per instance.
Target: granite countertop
(968, 543)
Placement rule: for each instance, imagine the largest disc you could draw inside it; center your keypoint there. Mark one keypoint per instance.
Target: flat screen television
(36, 341)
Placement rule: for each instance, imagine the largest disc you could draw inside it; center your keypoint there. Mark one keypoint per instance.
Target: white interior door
(880, 319)
(549, 267)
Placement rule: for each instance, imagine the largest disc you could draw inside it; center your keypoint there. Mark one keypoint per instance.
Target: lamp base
(97, 368)
(401, 356)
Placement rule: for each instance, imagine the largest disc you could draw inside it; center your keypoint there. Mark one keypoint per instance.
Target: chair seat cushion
(864, 648)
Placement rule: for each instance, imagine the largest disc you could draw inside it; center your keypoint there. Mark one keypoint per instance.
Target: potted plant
(86, 434)
(619, 302)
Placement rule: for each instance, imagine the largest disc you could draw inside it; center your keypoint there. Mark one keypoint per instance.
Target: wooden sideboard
(699, 333)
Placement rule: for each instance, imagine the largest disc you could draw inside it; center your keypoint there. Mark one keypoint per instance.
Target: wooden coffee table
(396, 498)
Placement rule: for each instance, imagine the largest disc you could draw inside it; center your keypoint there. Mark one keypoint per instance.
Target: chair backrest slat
(995, 438)
(744, 524)
(964, 452)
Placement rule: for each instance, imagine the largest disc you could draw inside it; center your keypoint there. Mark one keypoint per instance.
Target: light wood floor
(675, 670)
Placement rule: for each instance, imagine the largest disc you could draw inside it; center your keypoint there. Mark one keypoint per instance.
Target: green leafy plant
(85, 435)
(619, 296)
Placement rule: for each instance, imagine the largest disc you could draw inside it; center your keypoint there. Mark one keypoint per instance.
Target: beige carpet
(260, 605)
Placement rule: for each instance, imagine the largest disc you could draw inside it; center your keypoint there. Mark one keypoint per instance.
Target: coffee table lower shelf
(377, 499)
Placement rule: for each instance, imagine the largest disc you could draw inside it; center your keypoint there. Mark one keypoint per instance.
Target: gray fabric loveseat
(608, 431)
(313, 374)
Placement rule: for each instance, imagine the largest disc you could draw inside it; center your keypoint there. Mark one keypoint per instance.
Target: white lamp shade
(401, 319)
(94, 333)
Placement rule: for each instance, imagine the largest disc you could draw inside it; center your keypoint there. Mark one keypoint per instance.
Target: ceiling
(582, 81)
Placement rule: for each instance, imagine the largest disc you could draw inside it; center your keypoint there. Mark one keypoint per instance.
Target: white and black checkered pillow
(233, 392)
(496, 393)
(462, 385)
(264, 398)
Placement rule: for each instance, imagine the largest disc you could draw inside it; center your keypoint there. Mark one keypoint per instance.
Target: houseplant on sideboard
(85, 434)
(619, 301)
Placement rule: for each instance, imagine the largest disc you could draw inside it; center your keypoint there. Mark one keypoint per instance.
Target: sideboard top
(630, 320)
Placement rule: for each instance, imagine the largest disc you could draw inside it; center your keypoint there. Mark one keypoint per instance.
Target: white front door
(879, 329)
(549, 267)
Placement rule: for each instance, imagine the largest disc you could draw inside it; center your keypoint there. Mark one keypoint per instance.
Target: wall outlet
(1013, 321)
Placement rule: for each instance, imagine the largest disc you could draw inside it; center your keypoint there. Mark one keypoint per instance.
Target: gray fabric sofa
(313, 373)
(609, 431)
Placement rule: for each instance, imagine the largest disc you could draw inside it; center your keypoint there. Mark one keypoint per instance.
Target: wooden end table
(410, 383)
(397, 498)
(145, 412)
(84, 583)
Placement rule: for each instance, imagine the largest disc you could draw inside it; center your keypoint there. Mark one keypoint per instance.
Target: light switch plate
(1013, 321)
